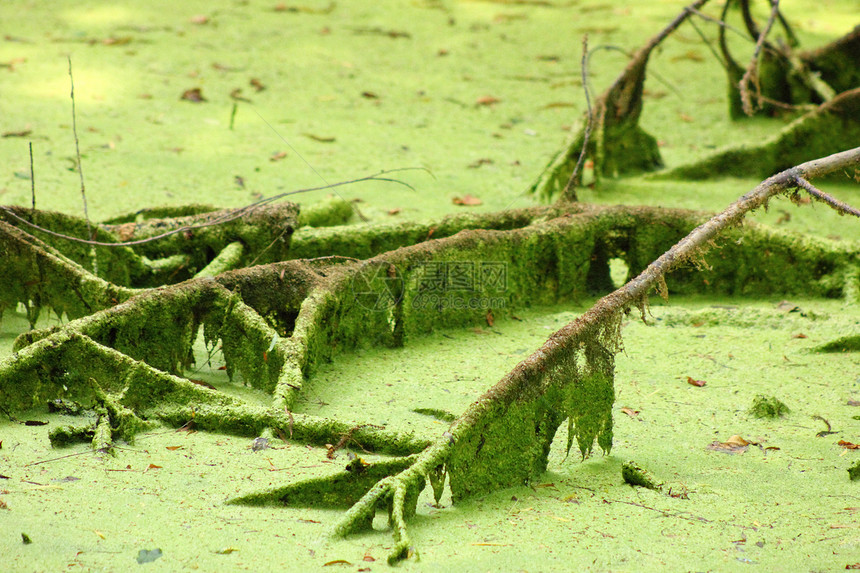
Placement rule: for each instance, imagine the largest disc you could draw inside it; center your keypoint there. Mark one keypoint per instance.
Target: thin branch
(751, 73)
(352, 205)
(78, 150)
(706, 41)
(830, 200)
(228, 216)
(717, 21)
(32, 179)
(569, 193)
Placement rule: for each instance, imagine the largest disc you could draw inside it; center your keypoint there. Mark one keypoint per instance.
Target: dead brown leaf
(487, 100)
(734, 445)
(786, 306)
(479, 162)
(848, 445)
(466, 200)
(22, 133)
(236, 94)
(277, 156)
(116, 41)
(320, 138)
(691, 55)
(194, 95)
(693, 382)
(631, 412)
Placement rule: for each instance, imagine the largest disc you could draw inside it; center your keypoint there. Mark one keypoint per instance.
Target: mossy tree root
(278, 321)
(617, 145)
(503, 438)
(784, 78)
(832, 127)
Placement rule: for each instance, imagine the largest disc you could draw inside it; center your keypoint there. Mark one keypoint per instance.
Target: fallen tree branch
(523, 410)
(224, 217)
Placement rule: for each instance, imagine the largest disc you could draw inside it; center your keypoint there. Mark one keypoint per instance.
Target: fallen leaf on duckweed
(734, 445)
(194, 95)
(487, 100)
(226, 550)
(477, 163)
(848, 445)
(112, 41)
(630, 412)
(320, 138)
(278, 156)
(786, 306)
(337, 562)
(466, 200)
(693, 382)
(236, 94)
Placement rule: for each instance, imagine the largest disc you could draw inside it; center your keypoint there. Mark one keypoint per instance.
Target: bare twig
(352, 205)
(569, 193)
(32, 178)
(226, 217)
(830, 200)
(78, 150)
(751, 74)
(718, 21)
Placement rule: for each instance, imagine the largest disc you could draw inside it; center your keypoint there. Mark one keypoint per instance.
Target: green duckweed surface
(784, 500)
(355, 88)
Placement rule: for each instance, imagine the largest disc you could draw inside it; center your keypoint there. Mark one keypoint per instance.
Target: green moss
(326, 213)
(768, 407)
(340, 490)
(854, 472)
(850, 343)
(63, 436)
(633, 474)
